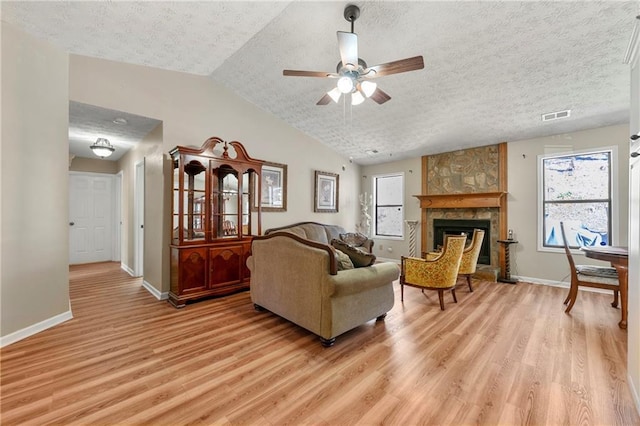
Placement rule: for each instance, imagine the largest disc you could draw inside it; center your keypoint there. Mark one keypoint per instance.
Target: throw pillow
(358, 256)
(342, 259)
(354, 238)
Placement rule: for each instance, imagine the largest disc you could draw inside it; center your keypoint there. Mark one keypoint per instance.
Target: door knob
(72, 223)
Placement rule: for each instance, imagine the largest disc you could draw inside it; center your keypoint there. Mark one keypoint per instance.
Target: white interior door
(90, 218)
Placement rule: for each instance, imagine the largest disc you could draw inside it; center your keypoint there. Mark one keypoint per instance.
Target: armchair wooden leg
(469, 282)
(441, 297)
(453, 293)
(401, 292)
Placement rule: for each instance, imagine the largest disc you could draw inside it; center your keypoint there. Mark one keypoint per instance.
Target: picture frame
(274, 188)
(327, 191)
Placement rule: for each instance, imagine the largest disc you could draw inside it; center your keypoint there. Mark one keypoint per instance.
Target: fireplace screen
(442, 227)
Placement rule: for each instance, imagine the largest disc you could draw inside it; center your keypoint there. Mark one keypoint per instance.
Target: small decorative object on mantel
(326, 192)
(364, 227)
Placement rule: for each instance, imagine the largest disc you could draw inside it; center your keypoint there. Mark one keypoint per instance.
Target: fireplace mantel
(461, 201)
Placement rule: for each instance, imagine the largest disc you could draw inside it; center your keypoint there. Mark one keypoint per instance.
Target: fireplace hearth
(442, 227)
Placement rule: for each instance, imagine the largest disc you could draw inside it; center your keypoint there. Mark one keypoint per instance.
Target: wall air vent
(556, 115)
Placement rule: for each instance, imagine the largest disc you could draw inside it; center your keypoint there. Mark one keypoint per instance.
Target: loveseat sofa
(294, 274)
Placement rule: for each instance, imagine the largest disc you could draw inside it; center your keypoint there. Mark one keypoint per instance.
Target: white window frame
(374, 180)
(614, 214)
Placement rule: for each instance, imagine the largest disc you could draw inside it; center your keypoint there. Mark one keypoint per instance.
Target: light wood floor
(505, 354)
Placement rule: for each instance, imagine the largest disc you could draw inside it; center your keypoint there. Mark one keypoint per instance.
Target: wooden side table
(507, 267)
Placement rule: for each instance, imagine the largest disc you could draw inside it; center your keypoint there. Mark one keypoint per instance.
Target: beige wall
(94, 165)
(150, 151)
(412, 186)
(35, 237)
(522, 198)
(193, 108)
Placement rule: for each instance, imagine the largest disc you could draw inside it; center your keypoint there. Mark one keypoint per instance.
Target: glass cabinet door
(175, 216)
(225, 205)
(247, 178)
(193, 196)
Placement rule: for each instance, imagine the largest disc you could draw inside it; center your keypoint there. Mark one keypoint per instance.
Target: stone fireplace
(466, 189)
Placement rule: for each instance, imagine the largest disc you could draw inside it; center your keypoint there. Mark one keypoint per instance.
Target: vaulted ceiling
(491, 68)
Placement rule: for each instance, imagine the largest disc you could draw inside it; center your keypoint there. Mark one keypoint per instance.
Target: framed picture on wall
(273, 197)
(326, 192)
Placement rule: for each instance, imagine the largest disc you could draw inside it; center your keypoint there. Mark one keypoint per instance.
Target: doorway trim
(138, 214)
(117, 217)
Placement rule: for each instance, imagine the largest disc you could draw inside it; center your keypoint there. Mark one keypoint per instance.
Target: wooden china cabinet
(212, 219)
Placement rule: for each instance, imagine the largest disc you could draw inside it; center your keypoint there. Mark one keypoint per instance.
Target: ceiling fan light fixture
(345, 84)
(335, 94)
(368, 87)
(356, 98)
(102, 148)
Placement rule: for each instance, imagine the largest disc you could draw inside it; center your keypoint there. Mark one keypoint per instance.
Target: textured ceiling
(491, 68)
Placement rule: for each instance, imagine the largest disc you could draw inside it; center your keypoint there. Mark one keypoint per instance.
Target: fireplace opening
(442, 227)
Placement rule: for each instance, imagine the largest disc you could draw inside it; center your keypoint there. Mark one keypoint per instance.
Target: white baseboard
(561, 284)
(126, 269)
(35, 328)
(154, 291)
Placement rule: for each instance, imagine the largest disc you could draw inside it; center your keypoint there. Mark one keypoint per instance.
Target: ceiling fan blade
(395, 67)
(348, 45)
(324, 100)
(379, 96)
(296, 73)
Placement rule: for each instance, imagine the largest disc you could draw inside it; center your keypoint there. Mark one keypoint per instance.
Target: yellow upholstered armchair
(439, 273)
(469, 262)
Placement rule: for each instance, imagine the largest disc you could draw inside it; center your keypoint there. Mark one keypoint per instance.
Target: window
(388, 196)
(576, 189)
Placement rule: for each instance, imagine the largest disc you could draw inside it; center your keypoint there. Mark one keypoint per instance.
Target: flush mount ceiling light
(120, 120)
(102, 148)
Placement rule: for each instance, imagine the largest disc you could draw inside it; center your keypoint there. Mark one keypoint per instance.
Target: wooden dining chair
(588, 276)
(438, 274)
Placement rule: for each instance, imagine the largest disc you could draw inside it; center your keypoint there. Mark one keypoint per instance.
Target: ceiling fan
(353, 74)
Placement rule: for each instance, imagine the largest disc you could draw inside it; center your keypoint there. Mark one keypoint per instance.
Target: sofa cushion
(295, 231)
(333, 231)
(343, 260)
(358, 257)
(355, 239)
